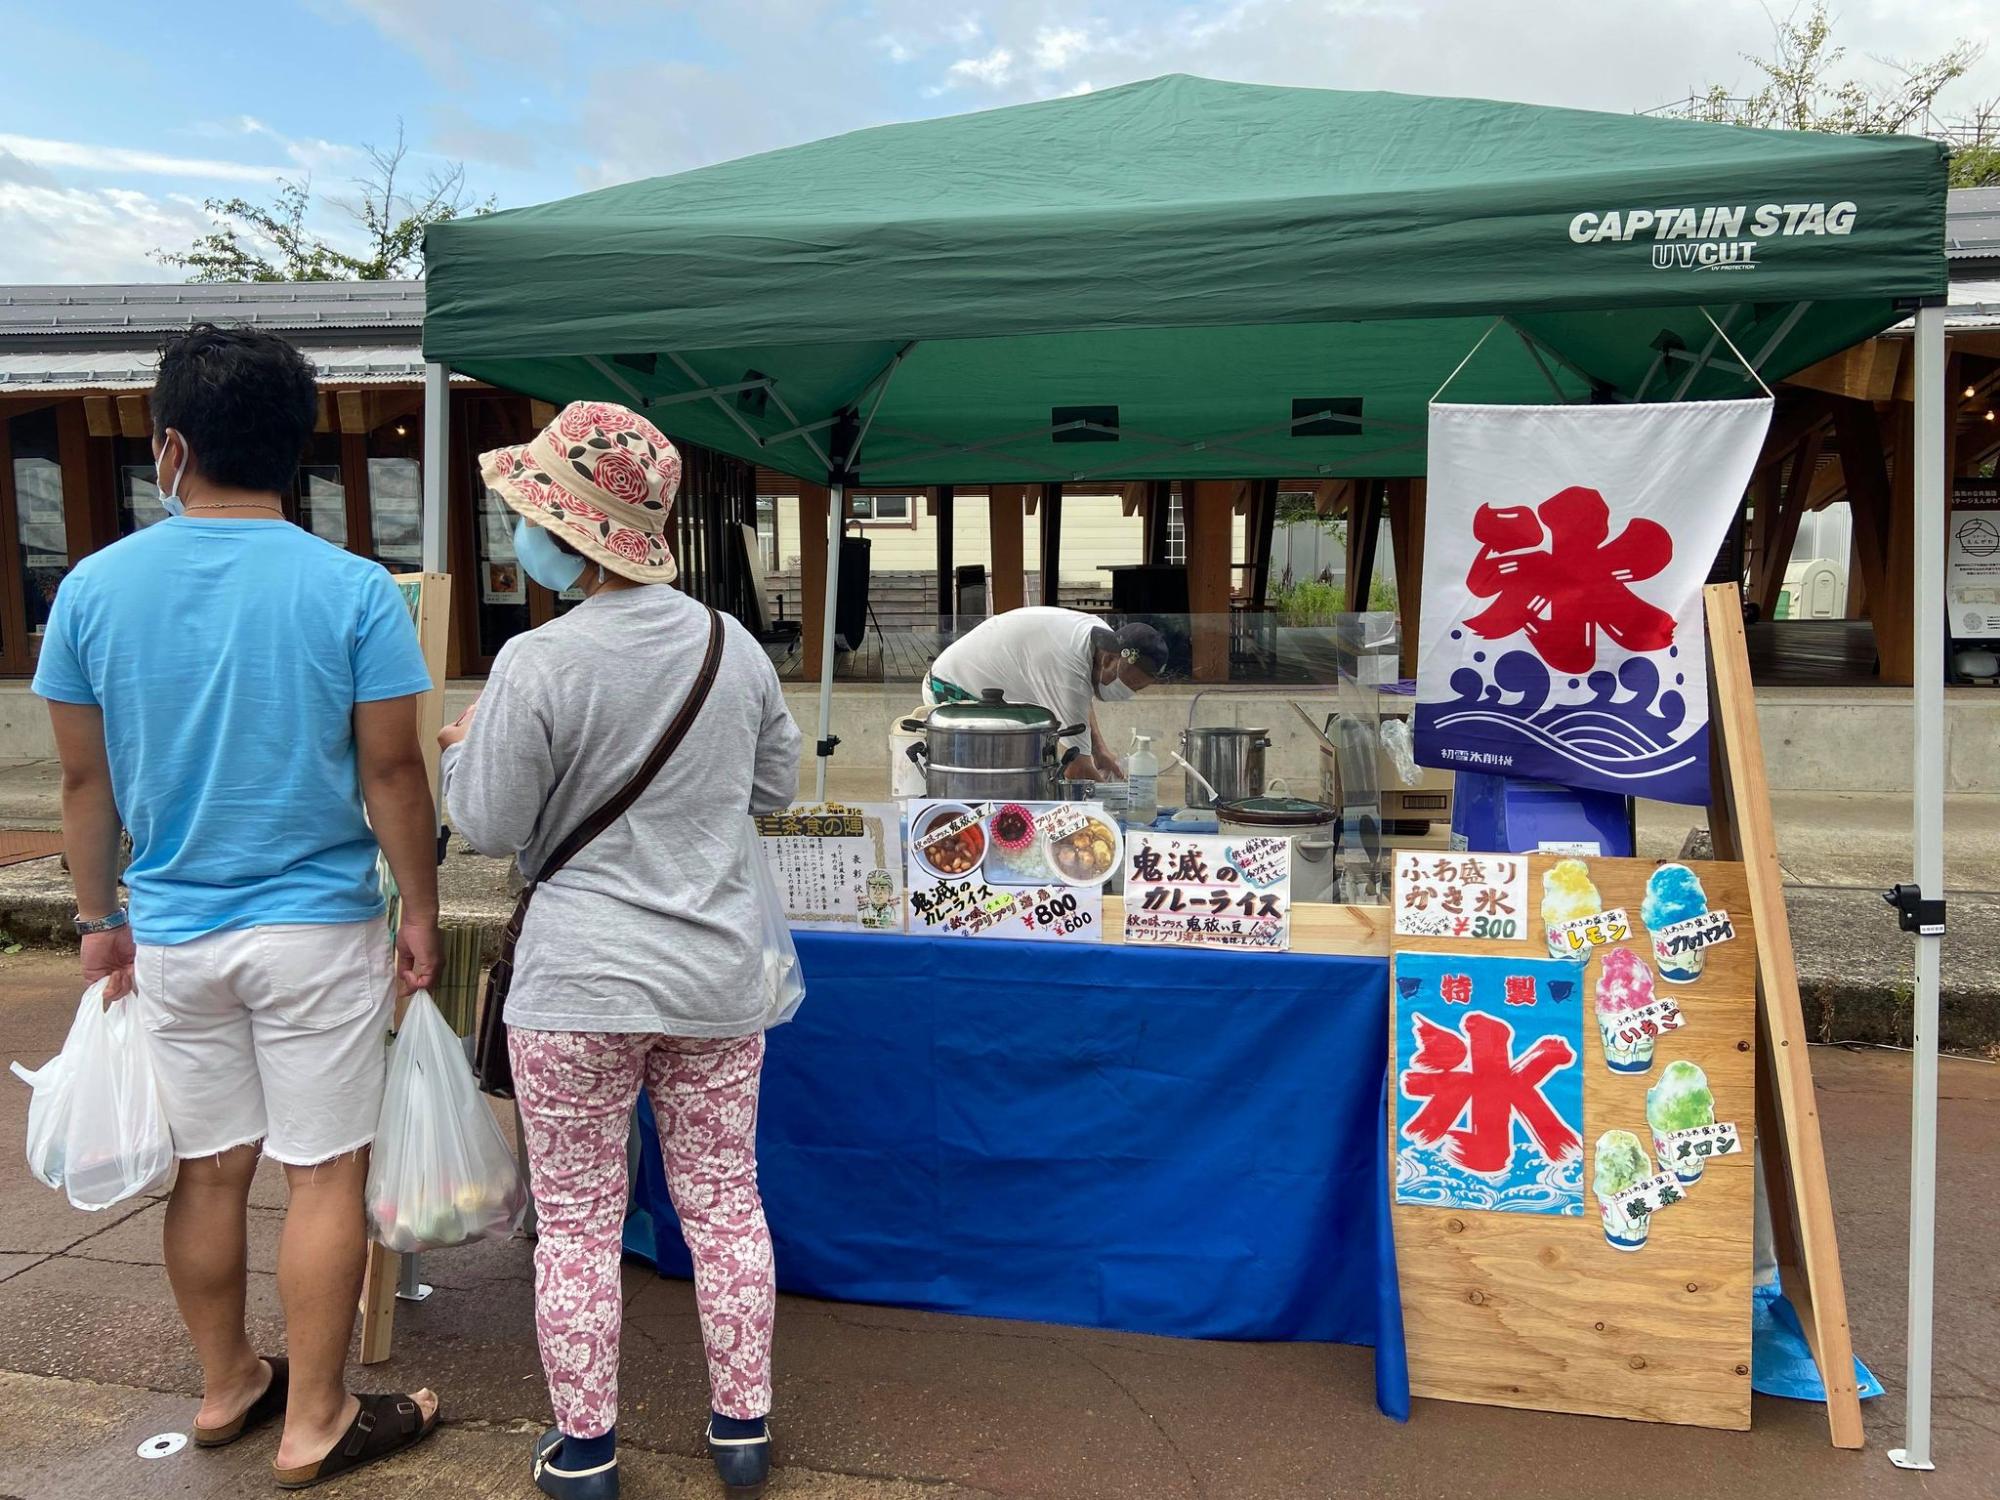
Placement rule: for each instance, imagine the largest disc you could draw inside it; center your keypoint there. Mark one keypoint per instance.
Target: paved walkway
(881, 1404)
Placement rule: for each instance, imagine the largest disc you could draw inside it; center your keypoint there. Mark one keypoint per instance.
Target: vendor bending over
(1063, 660)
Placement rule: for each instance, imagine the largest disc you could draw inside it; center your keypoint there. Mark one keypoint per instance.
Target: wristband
(111, 922)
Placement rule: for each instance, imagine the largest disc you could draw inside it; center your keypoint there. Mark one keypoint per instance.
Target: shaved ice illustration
(1624, 985)
(1674, 894)
(1621, 1164)
(1567, 894)
(1679, 1101)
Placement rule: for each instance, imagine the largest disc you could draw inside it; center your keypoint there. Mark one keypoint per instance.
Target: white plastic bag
(441, 1173)
(784, 983)
(95, 1126)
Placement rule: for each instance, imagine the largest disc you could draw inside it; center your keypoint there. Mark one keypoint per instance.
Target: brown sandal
(385, 1425)
(267, 1406)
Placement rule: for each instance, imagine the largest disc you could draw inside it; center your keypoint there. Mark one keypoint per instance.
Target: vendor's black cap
(1147, 645)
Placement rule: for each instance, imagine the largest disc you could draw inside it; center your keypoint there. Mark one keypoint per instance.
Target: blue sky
(139, 111)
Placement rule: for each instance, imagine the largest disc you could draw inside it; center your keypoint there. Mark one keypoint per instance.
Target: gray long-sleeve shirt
(654, 926)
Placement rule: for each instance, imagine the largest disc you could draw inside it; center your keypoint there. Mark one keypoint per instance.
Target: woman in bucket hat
(638, 963)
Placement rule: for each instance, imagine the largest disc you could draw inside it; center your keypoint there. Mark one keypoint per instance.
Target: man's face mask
(170, 494)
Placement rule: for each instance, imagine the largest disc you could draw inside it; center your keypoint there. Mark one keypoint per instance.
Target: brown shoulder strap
(626, 795)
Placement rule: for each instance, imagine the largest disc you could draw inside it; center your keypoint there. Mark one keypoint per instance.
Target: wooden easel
(1794, 1157)
(429, 598)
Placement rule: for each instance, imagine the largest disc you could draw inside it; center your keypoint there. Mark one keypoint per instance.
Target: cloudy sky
(140, 111)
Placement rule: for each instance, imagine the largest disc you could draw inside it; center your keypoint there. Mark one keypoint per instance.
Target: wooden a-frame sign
(1794, 1157)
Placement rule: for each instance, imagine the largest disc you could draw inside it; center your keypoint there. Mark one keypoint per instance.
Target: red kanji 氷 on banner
(1564, 554)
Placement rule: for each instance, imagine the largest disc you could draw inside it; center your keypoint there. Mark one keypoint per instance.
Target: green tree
(1804, 89)
(273, 241)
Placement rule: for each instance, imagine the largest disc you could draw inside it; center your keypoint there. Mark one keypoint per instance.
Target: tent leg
(836, 524)
(437, 465)
(1927, 700)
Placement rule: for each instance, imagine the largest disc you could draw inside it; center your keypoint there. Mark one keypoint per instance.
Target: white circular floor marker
(163, 1445)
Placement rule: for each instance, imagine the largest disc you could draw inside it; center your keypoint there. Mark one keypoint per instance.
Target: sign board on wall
(1972, 561)
(1642, 1300)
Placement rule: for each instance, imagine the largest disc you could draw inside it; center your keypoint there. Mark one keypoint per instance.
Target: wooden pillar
(1051, 560)
(1781, 532)
(73, 455)
(1208, 508)
(1263, 527)
(1865, 467)
(1406, 499)
(1364, 520)
(1159, 500)
(1006, 506)
(1897, 603)
(814, 507)
(944, 517)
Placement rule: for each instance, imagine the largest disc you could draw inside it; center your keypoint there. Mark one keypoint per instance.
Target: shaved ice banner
(1565, 550)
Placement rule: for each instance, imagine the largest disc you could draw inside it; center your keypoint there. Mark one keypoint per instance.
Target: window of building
(503, 587)
(395, 503)
(320, 491)
(880, 510)
(767, 532)
(1176, 531)
(138, 490)
(39, 525)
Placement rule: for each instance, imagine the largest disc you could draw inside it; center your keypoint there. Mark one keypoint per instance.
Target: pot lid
(1276, 812)
(991, 713)
(1224, 732)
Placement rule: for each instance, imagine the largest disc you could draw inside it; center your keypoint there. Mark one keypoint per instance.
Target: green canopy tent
(1185, 278)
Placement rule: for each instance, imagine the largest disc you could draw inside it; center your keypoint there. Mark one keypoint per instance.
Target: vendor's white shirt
(1035, 655)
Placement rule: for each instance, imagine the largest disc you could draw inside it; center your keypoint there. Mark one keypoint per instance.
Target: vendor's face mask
(545, 562)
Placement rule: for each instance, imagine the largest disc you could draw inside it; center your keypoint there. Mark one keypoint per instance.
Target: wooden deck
(885, 656)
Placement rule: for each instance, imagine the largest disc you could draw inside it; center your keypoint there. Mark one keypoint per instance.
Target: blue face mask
(170, 498)
(545, 562)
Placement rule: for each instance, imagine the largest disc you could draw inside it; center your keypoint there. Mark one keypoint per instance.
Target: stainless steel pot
(1231, 759)
(990, 748)
(1309, 825)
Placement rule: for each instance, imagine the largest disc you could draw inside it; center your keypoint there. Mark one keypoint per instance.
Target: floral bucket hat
(603, 479)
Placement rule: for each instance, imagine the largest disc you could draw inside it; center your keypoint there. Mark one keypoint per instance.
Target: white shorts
(272, 1034)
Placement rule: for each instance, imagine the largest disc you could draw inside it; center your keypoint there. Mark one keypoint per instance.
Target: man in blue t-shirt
(243, 698)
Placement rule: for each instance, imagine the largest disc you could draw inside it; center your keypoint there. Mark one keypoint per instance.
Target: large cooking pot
(990, 748)
(1309, 825)
(1231, 760)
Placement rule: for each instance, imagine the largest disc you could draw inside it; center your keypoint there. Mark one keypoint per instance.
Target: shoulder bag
(490, 1062)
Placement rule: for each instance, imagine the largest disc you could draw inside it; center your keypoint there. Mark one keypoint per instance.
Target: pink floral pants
(576, 1090)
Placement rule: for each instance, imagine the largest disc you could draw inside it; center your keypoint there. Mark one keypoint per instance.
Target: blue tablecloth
(1144, 1139)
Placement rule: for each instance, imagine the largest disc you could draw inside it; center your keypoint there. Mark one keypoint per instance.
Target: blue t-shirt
(228, 657)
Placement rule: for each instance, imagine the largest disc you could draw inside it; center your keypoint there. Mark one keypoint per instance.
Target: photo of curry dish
(1088, 855)
(958, 855)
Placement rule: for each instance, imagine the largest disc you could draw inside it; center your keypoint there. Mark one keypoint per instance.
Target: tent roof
(1213, 260)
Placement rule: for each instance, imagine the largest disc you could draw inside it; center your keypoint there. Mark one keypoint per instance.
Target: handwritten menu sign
(1461, 895)
(1032, 870)
(1600, 929)
(1696, 933)
(838, 866)
(1195, 891)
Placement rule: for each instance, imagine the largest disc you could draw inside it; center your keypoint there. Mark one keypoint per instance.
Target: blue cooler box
(1506, 815)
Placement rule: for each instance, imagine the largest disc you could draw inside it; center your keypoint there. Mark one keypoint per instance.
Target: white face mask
(1117, 690)
(170, 495)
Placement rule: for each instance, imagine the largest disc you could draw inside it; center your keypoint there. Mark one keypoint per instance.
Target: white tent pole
(1927, 701)
(836, 515)
(437, 468)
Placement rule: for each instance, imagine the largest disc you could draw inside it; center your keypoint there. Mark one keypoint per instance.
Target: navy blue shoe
(743, 1463)
(599, 1482)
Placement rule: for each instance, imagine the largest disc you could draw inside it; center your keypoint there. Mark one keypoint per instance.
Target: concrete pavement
(883, 1404)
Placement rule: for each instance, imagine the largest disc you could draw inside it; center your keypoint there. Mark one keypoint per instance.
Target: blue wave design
(1632, 733)
(1426, 1178)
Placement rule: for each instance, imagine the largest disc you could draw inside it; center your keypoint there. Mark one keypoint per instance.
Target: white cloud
(78, 156)
(1057, 47)
(69, 234)
(994, 69)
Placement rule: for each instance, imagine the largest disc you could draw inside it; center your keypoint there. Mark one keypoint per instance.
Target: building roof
(160, 307)
(49, 371)
(1972, 225)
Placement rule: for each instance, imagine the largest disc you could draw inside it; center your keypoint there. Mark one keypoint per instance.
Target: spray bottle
(1142, 780)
